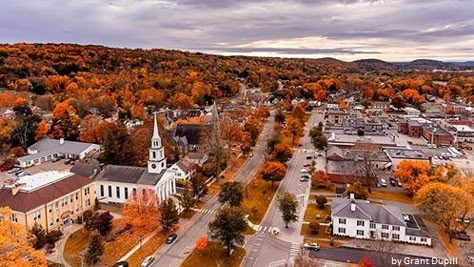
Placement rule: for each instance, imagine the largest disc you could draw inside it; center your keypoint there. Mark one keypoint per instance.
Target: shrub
(321, 200)
(86, 215)
(314, 227)
(53, 236)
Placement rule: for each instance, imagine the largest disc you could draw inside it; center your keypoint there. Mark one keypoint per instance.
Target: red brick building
(437, 135)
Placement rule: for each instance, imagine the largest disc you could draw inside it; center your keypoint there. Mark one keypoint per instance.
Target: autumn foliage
(273, 171)
(202, 243)
(142, 211)
(413, 174)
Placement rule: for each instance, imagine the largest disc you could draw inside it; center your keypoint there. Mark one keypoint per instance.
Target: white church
(117, 184)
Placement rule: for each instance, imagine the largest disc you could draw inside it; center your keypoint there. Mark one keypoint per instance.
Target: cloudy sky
(393, 30)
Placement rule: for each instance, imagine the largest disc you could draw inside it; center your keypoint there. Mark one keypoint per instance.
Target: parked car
(383, 183)
(470, 259)
(311, 246)
(23, 173)
(307, 165)
(121, 264)
(171, 238)
(309, 157)
(399, 184)
(304, 170)
(462, 236)
(55, 159)
(147, 261)
(67, 161)
(304, 178)
(16, 169)
(393, 182)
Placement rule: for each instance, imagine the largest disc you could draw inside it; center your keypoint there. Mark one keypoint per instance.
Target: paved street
(174, 254)
(263, 249)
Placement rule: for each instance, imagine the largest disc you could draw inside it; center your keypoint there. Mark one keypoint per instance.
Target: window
(360, 223)
(87, 191)
(101, 190)
(126, 192)
(77, 196)
(154, 155)
(372, 225)
(423, 239)
(412, 238)
(134, 190)
(14, 218)
(384, 227)
(395, 236)
(57, 219)
(110, 190)
(36, 215)
(342, 221)
(396, 228)
(117, 189)
(342, 230)
(384, 235)
(70, 200)
(57, 204)
(360, 232)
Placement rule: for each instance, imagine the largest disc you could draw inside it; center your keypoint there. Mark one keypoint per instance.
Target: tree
(169, 214)
(96, 204)
(413, 174)
(94, 250)
(231, 133)
(142, 212)
(280, 117)
(364, 166)
(366, 262)
(232, 193)
(187, 199)
(298, 112)
(25, 132)
(398, 102)
(40, 236)
(15, 243)
(294, 128)
(202, 243)
(444, 203)
(198, 184)
(358, 190)
(314, 227)
(320, 179)
(42, 130)
(101, 222)
(304, 260)
(321, 201)
(227, 227)
(273, 171)
(65, 121)
(282, 153)
(288, 204)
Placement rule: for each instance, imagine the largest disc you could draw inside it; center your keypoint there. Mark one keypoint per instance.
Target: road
(264, 249)
(175, 253)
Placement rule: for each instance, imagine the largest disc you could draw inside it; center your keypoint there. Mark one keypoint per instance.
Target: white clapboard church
(117, 184)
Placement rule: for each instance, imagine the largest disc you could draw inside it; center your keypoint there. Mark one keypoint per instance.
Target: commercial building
(397, 155)
(51, 199)
(436, 135)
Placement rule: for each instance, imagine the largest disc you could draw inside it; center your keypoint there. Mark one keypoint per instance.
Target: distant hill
(374, 65)
(427, 64)
(464, 64)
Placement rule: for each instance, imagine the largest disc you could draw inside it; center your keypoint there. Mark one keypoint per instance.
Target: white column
(160, 194)
(174, 185)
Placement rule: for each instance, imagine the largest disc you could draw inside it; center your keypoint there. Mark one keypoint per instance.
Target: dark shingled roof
(192, 132)
(129, 174)
(86, 169)
(24, 201)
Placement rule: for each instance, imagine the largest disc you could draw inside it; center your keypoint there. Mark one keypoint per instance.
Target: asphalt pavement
(175, 253)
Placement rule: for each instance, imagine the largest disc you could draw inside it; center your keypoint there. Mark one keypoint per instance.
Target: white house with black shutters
(361, 219)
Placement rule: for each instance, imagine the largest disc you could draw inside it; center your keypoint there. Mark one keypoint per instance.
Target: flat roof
(42, 179)
(406, 153)
(463, 128)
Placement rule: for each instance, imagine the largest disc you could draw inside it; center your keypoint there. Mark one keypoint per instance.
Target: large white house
(361, 219)
(117, 184)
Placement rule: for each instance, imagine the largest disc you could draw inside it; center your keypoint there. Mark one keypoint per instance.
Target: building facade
(51, 199)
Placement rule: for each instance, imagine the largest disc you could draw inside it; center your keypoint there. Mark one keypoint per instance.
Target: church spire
(156, 134)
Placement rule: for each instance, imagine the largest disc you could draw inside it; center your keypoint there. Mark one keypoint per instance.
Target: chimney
(353, 206)
(351, 196)
(61, 141)
(16, 188)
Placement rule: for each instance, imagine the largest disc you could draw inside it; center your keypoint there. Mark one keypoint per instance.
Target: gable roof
(129, 174)
(382, 214)
(26, 201)
(185, 165)
(192, 132)
(86, 169)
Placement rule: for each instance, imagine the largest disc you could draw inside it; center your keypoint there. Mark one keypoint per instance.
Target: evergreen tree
(232, 193)
(169, 214)
(288, 205)
(228, 226)
(94, 250)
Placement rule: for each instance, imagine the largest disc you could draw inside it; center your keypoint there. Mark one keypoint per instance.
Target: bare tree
(365, 166)
(382, 249)
(304, 260)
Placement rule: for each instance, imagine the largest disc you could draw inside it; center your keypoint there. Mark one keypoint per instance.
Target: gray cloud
(347, 29)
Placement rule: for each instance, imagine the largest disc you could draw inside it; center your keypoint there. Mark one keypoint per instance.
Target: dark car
(309, 157)
(171, 238)
(55, 159)
(393, 182)
(67, 161)
(121, 264)
(462, 236)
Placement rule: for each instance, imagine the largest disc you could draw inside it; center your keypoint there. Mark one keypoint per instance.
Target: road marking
(277, 263)
(264, 228)
(258, 244)
(259, 227)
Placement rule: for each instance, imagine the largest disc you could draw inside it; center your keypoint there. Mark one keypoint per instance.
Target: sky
(391, 30)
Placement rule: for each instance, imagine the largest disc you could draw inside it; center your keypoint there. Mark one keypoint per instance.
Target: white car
(304, 171)
(383, 183)
(311, 246)
(147, 261)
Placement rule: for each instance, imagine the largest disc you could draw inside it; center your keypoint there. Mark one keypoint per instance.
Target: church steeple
(156, 158)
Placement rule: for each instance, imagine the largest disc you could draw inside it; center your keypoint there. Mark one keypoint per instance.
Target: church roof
(129, 174)
(192, 132)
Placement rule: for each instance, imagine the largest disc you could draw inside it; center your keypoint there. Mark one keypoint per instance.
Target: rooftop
(129, 174)
(36, 181)
(462, 128)
(406, 153)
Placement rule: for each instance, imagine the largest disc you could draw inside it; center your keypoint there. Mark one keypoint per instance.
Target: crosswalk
(294, 249)
(263, 229)
(208, 211)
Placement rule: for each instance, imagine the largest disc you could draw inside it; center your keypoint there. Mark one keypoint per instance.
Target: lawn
(452, 248)
(149, 248)
(76, 243)
(214, 256)
(391, 196)
(314, 214)
(257, 197)
(227, 176)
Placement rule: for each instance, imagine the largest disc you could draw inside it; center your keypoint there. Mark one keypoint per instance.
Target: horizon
(347, 30)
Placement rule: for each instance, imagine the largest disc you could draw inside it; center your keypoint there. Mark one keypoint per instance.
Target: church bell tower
(156, 158)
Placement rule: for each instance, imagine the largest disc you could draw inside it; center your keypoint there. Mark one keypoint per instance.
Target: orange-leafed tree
(202, 243)
(263, 112)
(142, 212)
(344, 105)
(231, 133)
(320, 179)
(414, 174)
(282, 152)
(273, 171)
(181, 101)
(15, 244)
(298, 112)
(294, 128)
(42, 130)
(65, 121)
(366, 262)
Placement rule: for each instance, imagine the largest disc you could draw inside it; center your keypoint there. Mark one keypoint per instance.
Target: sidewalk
(58, 254)
(137, 247)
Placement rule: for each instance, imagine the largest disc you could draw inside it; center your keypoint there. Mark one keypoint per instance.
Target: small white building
(183, 169)
(197, 158)
(361, 219)
(117, 184)
(48, 149)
